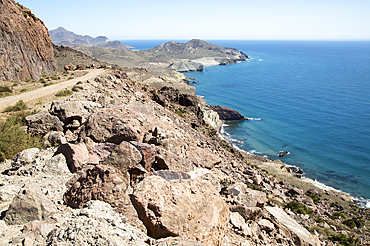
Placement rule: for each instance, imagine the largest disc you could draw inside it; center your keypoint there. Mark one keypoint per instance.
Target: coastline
(275, 167)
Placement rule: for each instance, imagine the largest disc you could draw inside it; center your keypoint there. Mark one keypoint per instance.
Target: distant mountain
(195, 49)
(61, 36)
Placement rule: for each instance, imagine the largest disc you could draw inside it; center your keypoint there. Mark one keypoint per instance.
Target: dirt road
(41, 93)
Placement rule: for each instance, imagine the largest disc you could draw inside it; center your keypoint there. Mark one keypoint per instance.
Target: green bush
(350, 223)
(144, 88)
(343, 239)
(77, 88)
(23, 90)
(314, 197)
(299, 208)
(78, 83)
(5, 89)
(64, 93)
(14, 139)
(20, 105)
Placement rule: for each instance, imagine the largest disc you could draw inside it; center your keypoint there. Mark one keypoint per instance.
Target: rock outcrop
(226, 113)
(181, 207)
(26, 50)
(181, 66)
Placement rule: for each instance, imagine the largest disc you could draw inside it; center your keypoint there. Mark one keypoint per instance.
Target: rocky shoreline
(142, 164)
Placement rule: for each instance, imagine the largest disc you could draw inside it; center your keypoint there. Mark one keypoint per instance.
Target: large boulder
(203, 157)
(123, 157)
(28, 205)
(73, 112)
(24, 158)
(76, 155)
(291, 228)
(240, 194)
(114, 124)
(98, 182)
(43, 123)
(187, 208)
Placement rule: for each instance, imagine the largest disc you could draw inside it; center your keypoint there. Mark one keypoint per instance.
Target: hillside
(195, 49)
(26, 50)
(61, 36)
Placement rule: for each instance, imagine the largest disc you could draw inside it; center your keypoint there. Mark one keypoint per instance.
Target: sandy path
(41, 93)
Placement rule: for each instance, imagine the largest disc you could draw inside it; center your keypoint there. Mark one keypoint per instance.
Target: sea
(310, 98)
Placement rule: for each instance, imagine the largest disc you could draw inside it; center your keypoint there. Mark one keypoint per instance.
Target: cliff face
(25, 45)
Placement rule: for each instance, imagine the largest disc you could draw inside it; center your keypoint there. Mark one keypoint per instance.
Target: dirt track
(41, 93)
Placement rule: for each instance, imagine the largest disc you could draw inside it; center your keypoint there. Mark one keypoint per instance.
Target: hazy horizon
(216, 20)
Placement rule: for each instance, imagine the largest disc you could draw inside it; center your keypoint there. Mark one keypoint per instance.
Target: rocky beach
(133, 157)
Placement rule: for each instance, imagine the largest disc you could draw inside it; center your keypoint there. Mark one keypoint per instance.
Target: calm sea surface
(313, 98)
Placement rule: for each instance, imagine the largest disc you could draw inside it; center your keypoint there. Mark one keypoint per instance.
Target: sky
(208, 19)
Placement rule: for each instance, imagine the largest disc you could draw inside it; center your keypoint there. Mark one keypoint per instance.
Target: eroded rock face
(99, 182)
(26, 50)
(30, 204)
(242, 195)
(182, 207)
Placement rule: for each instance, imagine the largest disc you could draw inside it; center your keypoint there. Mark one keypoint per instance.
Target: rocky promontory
(226, 113)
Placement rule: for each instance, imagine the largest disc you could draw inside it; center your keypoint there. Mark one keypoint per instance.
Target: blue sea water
(314, 101)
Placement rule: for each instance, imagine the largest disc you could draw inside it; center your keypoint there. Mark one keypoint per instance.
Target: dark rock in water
(226, 113)
(283, 153)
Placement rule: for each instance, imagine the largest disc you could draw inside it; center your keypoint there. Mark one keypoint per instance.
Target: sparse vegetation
(77, 88)
(64, 93)
(144, 88)
(314, 197)
(298, 208)
(350, 223)
(13, 138)
(5, 91)
(19, 106)
(78, 83)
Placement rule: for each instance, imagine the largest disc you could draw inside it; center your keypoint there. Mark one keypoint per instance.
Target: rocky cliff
(26, 50)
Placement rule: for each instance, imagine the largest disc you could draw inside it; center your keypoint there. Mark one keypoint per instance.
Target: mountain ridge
(62, 36)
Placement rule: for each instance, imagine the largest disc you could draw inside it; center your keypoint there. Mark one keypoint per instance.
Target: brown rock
(100, 182)
(43, 123)
(248, 213)
(114, 124)
(100, 152)
(203, 157)
(242, 195)
(226, 113)
(168, 160)
(123, 157)
(30, 204)
(26, 50)
(188, 208)
(69, 67)
(81, 66)
(76, 155)
(68, 112)
(148, 153)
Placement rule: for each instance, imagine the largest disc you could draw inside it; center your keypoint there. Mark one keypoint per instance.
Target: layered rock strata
(26, 50)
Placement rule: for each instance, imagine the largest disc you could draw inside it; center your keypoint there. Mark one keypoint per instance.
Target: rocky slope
(195, 49)
(137, 166)
(61, 36)
(26, 50)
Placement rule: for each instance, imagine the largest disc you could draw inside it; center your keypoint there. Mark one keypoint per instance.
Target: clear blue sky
(208, 19)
